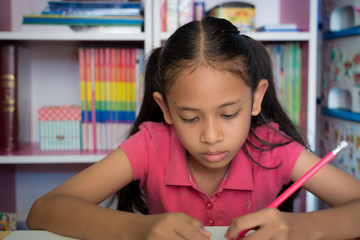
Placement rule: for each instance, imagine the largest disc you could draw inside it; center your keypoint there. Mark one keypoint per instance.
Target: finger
(243, 225)
(192, 232)
(255, 235)
(193, 229)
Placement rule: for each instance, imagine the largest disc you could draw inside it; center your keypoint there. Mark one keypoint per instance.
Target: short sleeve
(136, 149)
(289, 154)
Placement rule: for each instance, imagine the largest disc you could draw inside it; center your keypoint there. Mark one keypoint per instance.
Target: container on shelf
(60, 128)
(241, 14)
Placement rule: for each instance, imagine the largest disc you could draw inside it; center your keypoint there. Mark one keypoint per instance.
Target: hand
(269, 223)
(174, 226)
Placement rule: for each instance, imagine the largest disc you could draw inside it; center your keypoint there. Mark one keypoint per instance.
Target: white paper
(35, 235)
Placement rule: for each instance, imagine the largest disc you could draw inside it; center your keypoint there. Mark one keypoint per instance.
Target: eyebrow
(221, 106)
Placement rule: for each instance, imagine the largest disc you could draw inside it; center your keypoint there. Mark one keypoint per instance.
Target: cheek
(187, 135)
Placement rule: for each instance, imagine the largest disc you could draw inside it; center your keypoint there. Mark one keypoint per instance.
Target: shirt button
(211, 222)
(209, 205)
(218, 194)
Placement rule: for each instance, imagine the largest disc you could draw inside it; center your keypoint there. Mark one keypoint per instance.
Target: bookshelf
(37, 47)
(48, 75)
(49, 58)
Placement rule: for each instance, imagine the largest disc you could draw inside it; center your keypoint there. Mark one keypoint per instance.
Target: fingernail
(206, 233)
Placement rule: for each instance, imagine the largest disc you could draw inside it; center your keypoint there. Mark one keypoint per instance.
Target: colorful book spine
(97, 98)
(163, 15)
(88, 97)
(83, 98)
(101, 121)
(93, 101)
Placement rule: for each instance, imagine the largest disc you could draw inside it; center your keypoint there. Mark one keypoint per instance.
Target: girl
(211, 146)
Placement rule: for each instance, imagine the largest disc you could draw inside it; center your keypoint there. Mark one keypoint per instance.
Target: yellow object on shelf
(241, 14)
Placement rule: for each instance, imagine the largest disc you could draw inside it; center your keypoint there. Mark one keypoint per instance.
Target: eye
(230, 116)
(189, 120)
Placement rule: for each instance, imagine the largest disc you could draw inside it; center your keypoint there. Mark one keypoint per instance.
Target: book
(80, 20)
(79, 5)
(80, 29)
(126, 13)
(199, 10)
(281, 27)
(185, 12)
(172, 15)
(9, 140)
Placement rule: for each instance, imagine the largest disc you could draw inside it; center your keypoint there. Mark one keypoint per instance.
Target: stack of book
(175, 13)
(101, 16)
(281, 27)
(110, 85)
(287, 59)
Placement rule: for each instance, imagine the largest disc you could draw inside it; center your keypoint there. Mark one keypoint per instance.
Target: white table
(217, 234)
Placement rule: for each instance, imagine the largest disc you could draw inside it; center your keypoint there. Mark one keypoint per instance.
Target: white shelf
(279, 36)
(68, 36)
(30, 154)
(266, 36)
(50, 159)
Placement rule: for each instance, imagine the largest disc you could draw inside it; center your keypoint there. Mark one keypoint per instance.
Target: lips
(214, 156)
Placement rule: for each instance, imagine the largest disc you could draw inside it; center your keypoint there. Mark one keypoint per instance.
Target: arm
(72, 208)
(331, 185)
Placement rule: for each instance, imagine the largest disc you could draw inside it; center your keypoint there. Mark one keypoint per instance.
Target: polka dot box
(60, 128)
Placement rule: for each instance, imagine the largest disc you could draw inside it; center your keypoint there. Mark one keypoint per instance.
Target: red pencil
(296, 185)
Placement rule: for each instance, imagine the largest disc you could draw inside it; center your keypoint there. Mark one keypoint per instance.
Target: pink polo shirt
(158, 160)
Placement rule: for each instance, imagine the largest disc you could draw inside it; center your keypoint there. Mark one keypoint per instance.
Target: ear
(259, 96)
(164, 107)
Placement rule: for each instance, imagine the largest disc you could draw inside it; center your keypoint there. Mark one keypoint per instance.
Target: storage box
(60, 128)
(241, 14)
(340, 15)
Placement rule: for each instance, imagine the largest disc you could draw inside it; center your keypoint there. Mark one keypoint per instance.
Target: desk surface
(217, 234)
(33, 235)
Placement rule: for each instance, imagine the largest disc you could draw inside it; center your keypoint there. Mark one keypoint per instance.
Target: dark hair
(216, 43)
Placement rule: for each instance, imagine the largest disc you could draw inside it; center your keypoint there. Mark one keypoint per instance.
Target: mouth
(214, 156)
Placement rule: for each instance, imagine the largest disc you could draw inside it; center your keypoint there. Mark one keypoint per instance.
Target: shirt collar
(177, 171)
(239, 177)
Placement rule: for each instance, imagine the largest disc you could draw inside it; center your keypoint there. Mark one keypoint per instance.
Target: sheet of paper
(35, 235)
(218, 232)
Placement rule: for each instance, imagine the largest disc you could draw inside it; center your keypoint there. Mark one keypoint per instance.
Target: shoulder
(269, 132)
(268, 140)
(149, 133)
(154, 127)
(145, 146)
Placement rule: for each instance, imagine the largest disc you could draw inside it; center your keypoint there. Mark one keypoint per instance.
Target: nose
(211, 132)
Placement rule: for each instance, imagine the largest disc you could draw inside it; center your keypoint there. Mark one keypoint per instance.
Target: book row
(175, 13)
(287, 58)
(111, 82)
(88, 16)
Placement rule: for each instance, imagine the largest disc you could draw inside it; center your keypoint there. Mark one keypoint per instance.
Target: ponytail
(131, 198)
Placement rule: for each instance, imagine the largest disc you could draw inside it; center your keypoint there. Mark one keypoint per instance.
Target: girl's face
(211, 112)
